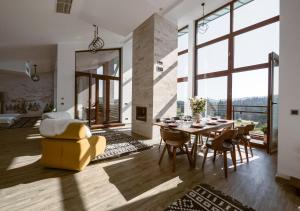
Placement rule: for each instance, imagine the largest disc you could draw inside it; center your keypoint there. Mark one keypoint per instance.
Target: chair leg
(239, 150)
(225, 163)
(250, 146)
(188, 155)
(205, 155)
(169, 151)
(246, 151)
(174, 158)
(201, 140)
(162, 154)
(215, 153)
(233, 157)
(160, 143)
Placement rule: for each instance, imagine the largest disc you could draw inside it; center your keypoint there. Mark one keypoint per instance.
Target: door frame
(272, 56)
(106, 79)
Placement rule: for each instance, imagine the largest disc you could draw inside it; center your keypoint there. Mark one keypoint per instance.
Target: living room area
(149, 105)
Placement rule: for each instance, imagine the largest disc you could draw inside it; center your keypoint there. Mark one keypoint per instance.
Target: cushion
(57, 115)
(64, 129)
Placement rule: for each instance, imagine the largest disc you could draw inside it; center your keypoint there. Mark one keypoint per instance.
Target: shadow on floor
(27, 147)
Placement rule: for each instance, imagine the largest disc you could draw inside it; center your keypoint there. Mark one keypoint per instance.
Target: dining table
(197, 129)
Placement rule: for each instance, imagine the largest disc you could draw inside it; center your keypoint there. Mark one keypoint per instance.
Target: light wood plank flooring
(133, 182)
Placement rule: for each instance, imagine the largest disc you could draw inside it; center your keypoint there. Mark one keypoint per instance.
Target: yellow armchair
(69, 146)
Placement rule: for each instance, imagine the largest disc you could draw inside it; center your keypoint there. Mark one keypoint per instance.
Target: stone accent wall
(24, 96)
(154, 40)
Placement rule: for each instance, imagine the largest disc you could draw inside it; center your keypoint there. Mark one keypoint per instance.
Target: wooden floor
(133, 182)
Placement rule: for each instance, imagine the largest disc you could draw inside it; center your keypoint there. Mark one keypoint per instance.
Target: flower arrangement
(197, 105)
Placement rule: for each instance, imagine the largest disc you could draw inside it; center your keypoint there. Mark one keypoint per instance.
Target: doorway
(98, 87)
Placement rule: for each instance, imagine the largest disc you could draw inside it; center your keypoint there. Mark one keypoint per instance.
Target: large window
(182, 72)
(250, 97)
(219, 23)
(254, 47)
(232, 58)
(249, 12)
(213, 57)
(215, 91)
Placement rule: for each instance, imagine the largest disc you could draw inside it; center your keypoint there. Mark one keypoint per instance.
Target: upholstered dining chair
(246, 140)
(237, 140)
(174, 140)
(223, 144)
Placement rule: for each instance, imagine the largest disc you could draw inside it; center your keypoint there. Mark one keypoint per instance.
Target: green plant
(197, 105)
(264, 129)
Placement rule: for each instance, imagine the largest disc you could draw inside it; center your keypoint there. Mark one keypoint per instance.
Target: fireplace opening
(141, 113)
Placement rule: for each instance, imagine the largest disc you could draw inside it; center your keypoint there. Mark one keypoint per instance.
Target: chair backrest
(172, 135)
(226, 135)
(248, 128)
(240, 131)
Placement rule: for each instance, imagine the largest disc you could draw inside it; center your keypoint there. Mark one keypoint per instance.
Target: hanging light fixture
(35, 76)
(203, 26)
(97, 43)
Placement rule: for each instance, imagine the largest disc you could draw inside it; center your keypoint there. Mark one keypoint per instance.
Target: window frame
(230, 37)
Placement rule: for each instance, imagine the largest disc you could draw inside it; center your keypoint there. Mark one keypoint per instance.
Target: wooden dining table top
(208, 126)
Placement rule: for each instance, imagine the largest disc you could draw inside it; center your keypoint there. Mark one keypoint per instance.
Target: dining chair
(246, 140)
(161, 139)
(174, 140)
(222, 144)
(237, 140)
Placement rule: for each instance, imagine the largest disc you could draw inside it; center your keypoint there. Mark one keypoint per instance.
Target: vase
(197, 117)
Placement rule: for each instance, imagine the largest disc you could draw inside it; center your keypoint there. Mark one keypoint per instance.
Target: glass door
(101, 101)
(98, 87)
(114, 101)
(273, 103)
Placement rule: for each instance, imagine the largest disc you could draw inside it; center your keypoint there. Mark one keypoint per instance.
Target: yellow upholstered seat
(73, 149)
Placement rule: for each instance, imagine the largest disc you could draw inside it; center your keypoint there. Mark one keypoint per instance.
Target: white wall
(289, 133)
(127, 82)
(65, 84)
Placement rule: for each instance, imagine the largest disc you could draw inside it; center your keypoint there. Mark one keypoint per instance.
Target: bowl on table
(222, 120)
(211, 123)
(169, 121)
(172, 125)
(197, 125)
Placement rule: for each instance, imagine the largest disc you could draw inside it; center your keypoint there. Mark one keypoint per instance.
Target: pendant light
(35, 76)
(203, 26)
(97, 43)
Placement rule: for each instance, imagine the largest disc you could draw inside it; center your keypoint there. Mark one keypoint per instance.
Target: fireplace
(141, 113)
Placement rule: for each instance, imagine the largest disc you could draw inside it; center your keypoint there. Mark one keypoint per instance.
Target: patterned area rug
(119, 144)
(205, 197)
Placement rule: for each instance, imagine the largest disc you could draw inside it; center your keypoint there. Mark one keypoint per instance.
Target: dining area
(193, 135)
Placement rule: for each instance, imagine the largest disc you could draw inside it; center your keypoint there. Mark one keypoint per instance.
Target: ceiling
(35, 22)
(31, 29)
